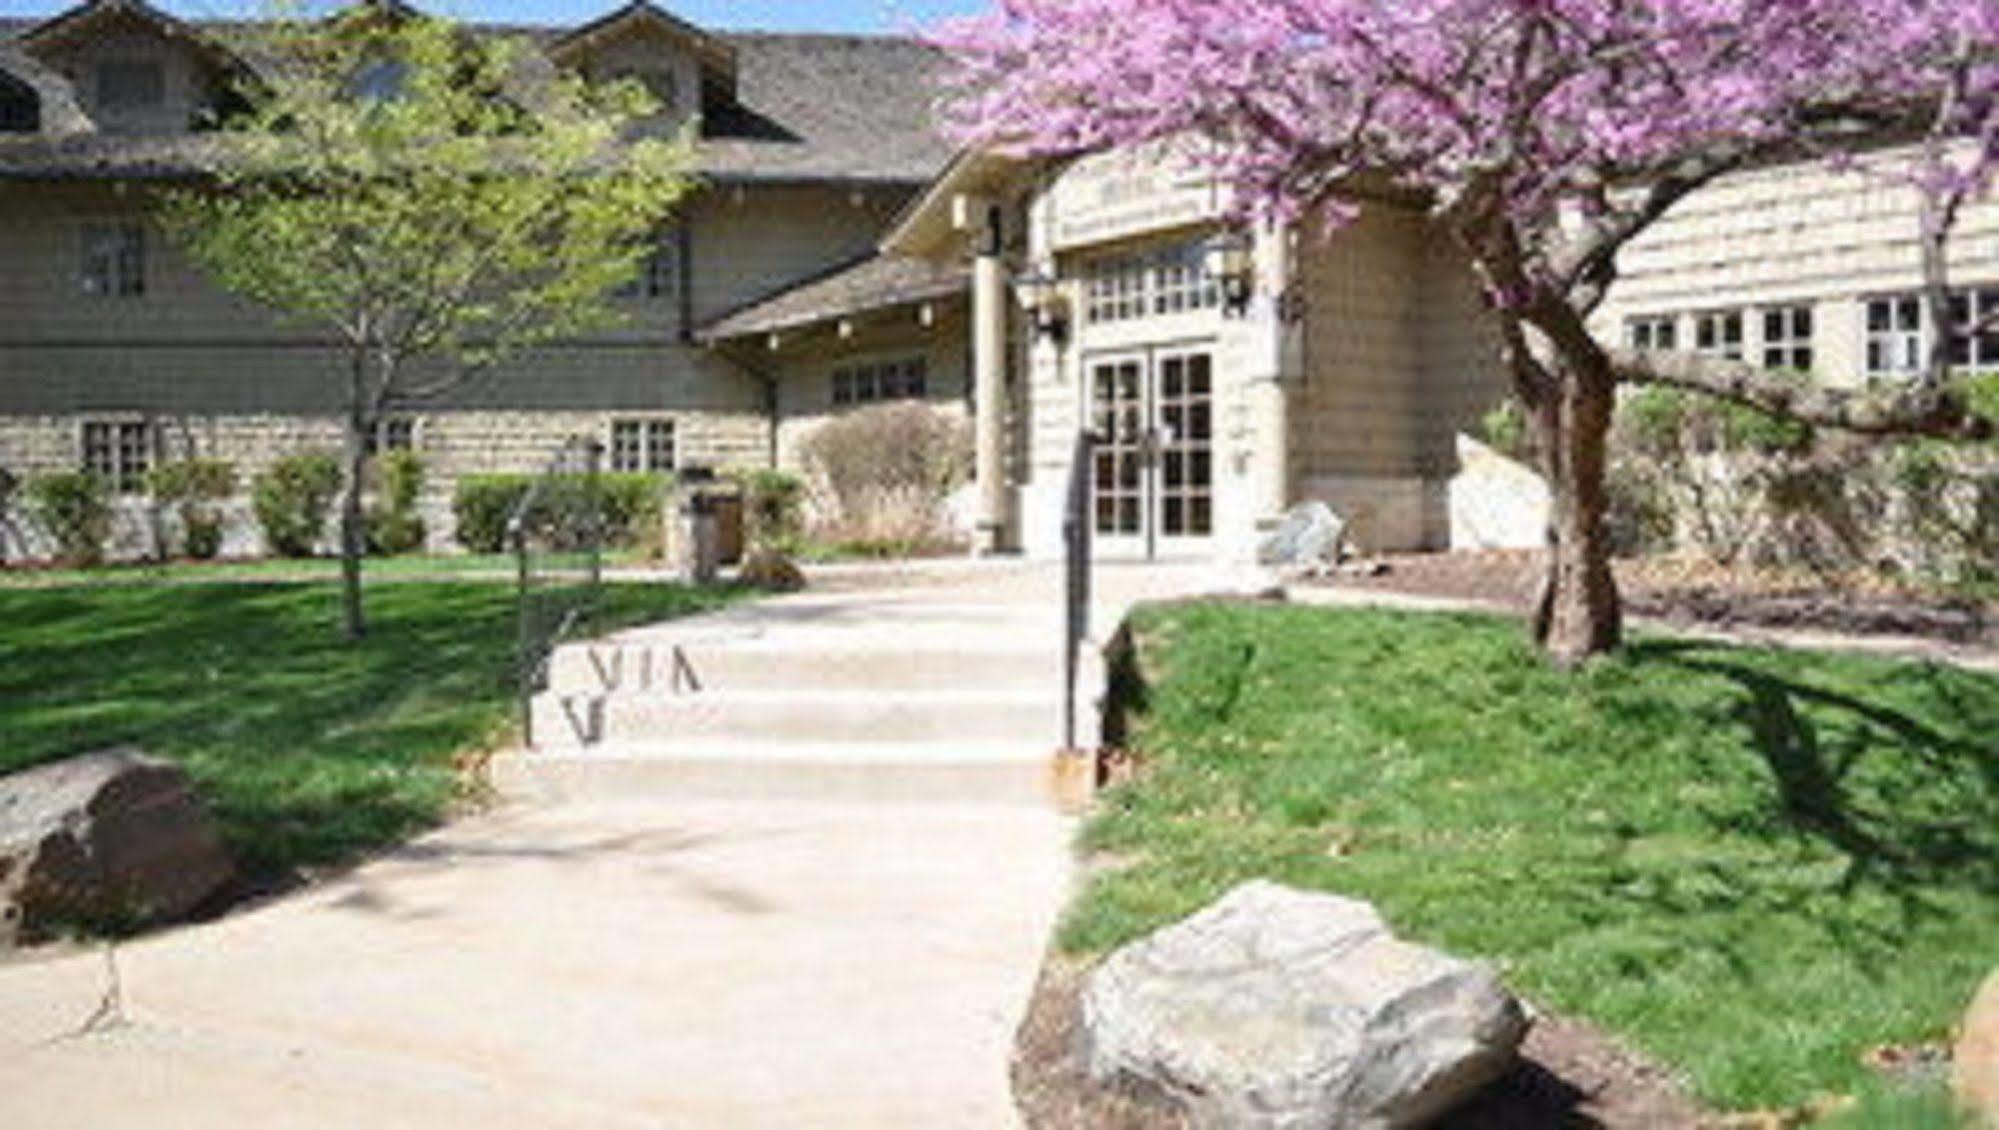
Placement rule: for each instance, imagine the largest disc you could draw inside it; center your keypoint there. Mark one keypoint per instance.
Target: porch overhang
(879, 284)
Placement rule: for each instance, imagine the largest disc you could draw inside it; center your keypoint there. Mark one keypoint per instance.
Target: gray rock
(1310, 534)
(113, 838)
(1277, 1008)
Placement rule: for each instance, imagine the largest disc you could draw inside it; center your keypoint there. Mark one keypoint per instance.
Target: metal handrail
(536, 646)
(1078, 531)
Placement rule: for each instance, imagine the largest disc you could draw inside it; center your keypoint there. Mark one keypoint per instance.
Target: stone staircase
(897, 701)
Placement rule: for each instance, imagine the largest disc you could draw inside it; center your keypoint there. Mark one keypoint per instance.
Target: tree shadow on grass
(1907, 804)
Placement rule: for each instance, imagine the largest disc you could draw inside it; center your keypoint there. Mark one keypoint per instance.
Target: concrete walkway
(606, 965)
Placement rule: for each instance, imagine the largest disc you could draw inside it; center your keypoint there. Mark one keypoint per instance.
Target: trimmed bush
(773, 509)
(74, 508)
(394, 527)
(195, 488)
(292, 500)
(482, 505)
(883, 475)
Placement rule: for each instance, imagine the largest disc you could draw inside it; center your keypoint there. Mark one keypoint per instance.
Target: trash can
(701, 533)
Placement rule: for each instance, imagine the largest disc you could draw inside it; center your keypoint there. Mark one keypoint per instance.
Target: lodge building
(838, 253)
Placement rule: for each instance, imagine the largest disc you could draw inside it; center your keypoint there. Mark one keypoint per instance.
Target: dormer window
(131, 84)
(662, 84)
(381, 80)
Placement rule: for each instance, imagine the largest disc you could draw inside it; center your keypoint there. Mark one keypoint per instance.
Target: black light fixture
(1229, 257)
(1042, 297)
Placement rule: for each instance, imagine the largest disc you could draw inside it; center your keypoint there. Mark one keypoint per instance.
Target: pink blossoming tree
(1543, 136)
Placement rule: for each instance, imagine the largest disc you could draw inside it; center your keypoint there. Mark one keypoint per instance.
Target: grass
(1753, 864)
(309, 750)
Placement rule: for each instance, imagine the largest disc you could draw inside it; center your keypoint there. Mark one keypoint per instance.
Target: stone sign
(1131, 191)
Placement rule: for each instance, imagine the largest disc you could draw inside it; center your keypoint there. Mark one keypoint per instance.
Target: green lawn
(309, 749)
(1754, 864)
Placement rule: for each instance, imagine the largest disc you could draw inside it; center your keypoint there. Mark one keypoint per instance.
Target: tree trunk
(1580, 613)
(353, 532)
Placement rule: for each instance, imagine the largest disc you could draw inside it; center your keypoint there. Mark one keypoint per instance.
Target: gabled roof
(876, 282)
(714, 53)
(807, 108)
(84, 19)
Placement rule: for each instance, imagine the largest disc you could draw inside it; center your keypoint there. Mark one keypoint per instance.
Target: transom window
(1658, 332)
(1787, 338)
(1172, 280)
(120, 452)
(642, 445)
(114, 259)
(131, 84)
(1895, 337)
(391, 433)
(871, 382)
(1719, 334)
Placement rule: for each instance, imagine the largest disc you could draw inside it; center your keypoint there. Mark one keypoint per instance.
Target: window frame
(1161, 281)
(885, 379)
(118, 469)
(382, 437)
(1909, 343)
(114, 258)
(1728, 329)
(647, 446)
(1653, 332)
(1794, 347)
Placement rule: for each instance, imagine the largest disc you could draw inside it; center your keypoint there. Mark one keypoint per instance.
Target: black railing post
(524, 623)
(1077, 532)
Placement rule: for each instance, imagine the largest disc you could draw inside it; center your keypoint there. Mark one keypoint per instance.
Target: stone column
(989, 300)
(1276, 376)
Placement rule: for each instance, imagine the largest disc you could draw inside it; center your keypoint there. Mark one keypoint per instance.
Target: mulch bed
(1570, 1075)
(1694, 593)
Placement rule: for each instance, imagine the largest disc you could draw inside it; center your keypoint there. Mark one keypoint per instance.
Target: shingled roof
(879, 281)
(808, 108)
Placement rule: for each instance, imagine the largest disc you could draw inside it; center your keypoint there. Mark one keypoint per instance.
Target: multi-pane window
(131, 84)
(120, 452)
(1787, 338)
(114, 259)
(1895, 338)
(1173, 280)
(1974, 338)
(1656, 332)
(1718, 333)
(659, 273)
(870, 382)
(642, 445)
(391, 433)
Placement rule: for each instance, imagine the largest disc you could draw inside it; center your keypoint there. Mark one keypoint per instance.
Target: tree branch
(1914, 409)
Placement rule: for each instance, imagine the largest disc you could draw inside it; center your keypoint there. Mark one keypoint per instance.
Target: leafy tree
(1543, 136)
(433, 200)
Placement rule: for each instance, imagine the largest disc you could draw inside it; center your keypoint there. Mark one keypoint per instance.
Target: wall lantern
(1041, 296)
(1229, 258)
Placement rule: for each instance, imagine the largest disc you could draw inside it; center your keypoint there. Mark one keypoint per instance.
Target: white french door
(1153, 485)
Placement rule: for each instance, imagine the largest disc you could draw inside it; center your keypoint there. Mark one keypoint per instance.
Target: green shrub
(1506, 430)
(483, 504)
(195, 487)
(773, 509)
(394, 527)
(9, 487)
(74, 508)
(292, 499)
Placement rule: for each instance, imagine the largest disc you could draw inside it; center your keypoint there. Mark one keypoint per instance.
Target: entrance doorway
(1153, 486)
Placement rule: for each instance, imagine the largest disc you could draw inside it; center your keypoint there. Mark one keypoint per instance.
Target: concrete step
(643, 668)
(966, 772)
(946, 717)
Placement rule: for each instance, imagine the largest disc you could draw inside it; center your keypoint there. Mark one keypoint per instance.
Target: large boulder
(1975, 1060)
(1286, 1009)
(111, 839)
(1310, 534)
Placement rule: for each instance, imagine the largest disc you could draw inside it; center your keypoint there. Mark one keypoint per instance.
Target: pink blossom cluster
(1525, 103)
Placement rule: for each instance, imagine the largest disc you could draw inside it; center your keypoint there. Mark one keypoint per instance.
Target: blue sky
(797, 15)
